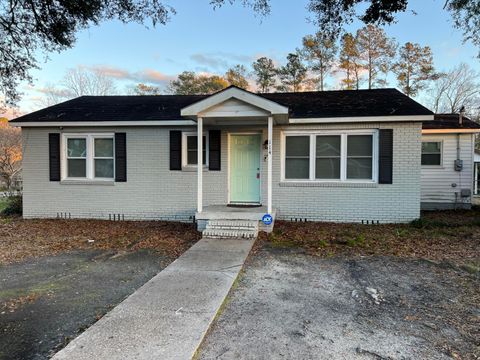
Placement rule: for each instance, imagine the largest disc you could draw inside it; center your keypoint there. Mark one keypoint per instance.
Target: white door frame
(229, 143)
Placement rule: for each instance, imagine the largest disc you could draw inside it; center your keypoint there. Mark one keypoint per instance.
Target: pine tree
(293, 74)
(319, 51)
(350, 62)
(414, 68)
(237, 76)
(265, 74)
(376, 51)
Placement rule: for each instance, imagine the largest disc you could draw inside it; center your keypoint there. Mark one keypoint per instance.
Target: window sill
(328, 184)
(88, 182)
(193, 168)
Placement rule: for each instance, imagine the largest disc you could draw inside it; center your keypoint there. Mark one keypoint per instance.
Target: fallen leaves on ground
(443, 235)
(13, 304)
(21, 239)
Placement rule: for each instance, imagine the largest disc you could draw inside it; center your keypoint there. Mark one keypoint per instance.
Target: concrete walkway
(167, 317)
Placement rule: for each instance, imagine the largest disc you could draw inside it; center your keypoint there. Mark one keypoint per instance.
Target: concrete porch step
(247, 229)
(232, 224)
(229, 234)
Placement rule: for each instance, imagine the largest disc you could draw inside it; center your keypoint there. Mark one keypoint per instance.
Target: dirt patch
(444, 235)
(21, 239)
(291, 305)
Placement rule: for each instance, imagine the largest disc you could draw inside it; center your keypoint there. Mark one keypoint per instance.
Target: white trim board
(229, 93)
(104, 123)
(360, 119)
(450, 131)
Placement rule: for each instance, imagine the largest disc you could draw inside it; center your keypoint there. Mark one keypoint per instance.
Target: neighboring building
(476, 174)
(345, 156)
(448, 144)
(16, 184)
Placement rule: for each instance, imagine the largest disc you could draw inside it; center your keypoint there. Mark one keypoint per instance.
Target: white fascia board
(357, 119)
(104, 123)
(450, 131)
(245, 96)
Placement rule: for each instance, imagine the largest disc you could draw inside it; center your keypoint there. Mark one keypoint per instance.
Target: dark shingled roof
(450, 121)
(317, 104)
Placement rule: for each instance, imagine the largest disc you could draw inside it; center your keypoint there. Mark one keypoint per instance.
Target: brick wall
(152, 191)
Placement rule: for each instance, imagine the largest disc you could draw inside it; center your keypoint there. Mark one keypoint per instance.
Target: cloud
(10, 113)
(220, 60)
(147, 75)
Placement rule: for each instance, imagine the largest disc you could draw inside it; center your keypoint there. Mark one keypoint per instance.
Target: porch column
(270, 155)
(199, 164)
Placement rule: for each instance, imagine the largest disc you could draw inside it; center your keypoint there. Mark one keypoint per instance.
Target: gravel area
(290, 305)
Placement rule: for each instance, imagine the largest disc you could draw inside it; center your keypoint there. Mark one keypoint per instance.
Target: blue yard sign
(267, 219)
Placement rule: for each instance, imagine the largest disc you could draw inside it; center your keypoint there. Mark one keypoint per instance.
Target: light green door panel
(245, 168)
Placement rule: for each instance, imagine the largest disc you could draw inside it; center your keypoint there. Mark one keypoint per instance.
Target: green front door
(245, 168)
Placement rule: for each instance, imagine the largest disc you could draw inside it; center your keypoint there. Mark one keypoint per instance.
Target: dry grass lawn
(443, 235)
(21, 239)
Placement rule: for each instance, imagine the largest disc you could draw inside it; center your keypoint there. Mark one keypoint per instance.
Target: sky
(201, 39)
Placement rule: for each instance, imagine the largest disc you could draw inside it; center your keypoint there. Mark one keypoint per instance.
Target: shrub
(14, 206)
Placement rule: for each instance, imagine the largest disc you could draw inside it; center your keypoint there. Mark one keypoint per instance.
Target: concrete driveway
(292, 306)
(46, 302)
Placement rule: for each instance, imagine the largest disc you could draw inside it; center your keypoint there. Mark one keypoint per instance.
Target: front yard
(337, 291)
(308, 290)
(60, 276)
(3, 203)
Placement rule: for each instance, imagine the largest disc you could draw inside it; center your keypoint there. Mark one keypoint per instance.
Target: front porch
(248, 152)
(225, 212)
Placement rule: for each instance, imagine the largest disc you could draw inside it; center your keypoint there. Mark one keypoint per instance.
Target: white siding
(441, 183)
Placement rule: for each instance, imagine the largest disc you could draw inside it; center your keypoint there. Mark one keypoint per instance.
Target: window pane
(192, 142)
(359, 168)
(431, 159)
(297, 168)
(76, 147)
(297, 146)
(431, 147)
(192, 157)
(328, 145)
(327, 168)
(104, 168)
(359, 145)
(104, 147)
(77, 168)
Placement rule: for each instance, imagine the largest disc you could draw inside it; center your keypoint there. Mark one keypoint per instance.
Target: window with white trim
(431, 153)
(330, 156)
(190, 149)
(88, 157)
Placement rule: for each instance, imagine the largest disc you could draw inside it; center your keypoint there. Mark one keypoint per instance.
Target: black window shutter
(120, 157)
(54, 156)
(385, 158)
(175, 150)
(214, 142)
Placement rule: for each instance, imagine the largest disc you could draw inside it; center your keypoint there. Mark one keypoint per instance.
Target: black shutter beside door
(214, 155)
(175, 150)
(385, 158)
(54, 156)
(120, 157)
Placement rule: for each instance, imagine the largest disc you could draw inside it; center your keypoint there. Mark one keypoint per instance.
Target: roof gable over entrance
(234, 102)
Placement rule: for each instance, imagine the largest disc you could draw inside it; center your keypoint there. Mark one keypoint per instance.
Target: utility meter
(458, 165)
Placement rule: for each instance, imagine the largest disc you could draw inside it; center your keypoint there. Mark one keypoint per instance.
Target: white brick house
(346, 156)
